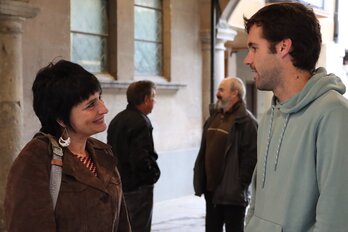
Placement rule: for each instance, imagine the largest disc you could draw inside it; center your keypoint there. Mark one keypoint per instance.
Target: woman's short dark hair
(294, 21)
(137, 91)
(57, 88)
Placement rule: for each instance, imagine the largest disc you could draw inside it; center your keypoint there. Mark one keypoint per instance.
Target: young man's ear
(284, 46)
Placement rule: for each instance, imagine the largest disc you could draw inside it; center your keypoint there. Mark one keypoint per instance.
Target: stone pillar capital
(225, 32)
(220, 45)
(22, 9)
(205, 35)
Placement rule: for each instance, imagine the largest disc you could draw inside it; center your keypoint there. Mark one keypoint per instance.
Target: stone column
(206, 73)
(219, 63)
(12, 15)
(224, 34)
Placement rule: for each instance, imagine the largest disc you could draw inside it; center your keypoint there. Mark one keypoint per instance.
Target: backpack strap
(56, 168)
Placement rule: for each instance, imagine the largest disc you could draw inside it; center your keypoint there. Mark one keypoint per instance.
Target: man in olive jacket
(226, 159)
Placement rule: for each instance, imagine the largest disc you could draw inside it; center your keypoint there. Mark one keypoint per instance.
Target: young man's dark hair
(296, 22)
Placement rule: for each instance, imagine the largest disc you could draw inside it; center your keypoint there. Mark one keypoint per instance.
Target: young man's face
(263, 63)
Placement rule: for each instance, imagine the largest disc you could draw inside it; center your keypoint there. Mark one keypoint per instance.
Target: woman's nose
(102, 107)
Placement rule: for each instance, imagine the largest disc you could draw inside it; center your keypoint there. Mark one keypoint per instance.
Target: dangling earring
(64, 142)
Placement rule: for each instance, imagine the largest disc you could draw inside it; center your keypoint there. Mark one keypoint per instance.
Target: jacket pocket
(261, 225)
(149, 171)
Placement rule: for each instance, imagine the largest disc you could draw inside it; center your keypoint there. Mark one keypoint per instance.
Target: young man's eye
(252, 48)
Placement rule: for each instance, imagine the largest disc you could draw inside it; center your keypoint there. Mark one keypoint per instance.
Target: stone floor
(184, 214)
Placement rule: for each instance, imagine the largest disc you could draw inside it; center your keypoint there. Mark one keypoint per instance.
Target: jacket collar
(134, 108)
(239, 110)
(104, 161)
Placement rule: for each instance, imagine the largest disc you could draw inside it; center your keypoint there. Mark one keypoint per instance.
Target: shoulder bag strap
(56, 170)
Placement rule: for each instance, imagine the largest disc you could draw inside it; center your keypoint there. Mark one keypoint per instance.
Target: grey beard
(219, 105)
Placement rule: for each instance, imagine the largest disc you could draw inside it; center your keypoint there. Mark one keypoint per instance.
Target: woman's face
(87, 118)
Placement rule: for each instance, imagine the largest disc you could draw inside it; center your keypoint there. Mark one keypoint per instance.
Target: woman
(67, 101)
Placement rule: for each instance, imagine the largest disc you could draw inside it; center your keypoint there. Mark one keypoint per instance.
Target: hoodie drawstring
(280, 141)
(264, 168)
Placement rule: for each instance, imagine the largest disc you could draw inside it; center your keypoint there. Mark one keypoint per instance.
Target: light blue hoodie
(301, 180)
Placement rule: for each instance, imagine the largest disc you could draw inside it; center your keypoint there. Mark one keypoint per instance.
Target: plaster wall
(177, 116)
(45, 38)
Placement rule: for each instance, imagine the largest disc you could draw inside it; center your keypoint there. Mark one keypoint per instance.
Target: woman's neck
(78, 146)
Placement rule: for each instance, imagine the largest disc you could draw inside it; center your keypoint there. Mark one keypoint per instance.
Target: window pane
(89, 32)
(149, 3)
(148, 37)
(148, 24)
(148, 58)
(89, 16)
(89, 51)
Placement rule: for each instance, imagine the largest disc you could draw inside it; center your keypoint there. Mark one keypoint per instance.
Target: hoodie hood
(318, 84)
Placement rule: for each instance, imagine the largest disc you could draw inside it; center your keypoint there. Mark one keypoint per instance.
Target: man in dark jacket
(130, 135)
(226, 159)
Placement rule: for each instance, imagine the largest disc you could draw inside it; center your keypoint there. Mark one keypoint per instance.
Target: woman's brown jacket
(85, 202)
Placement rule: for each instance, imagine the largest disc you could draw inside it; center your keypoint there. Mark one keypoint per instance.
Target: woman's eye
(91, 105)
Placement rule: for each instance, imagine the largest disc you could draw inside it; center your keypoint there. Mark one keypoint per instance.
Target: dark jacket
(239, 160)
(85, 202)
(130, 135)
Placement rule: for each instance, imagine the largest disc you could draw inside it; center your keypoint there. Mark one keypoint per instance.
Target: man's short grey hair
(238, 84)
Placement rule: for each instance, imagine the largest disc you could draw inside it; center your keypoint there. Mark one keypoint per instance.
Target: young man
(300, 182)
(226, 159)
(130, 135)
